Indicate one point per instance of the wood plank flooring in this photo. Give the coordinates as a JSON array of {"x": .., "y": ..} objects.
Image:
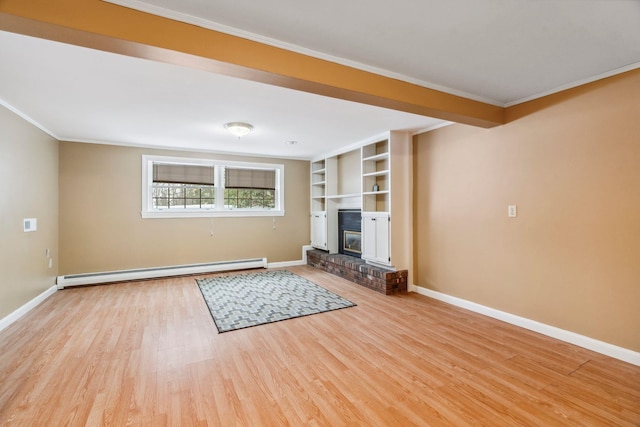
[{"x": 147, "y": 354}]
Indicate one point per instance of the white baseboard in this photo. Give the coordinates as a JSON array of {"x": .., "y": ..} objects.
[
  {"x": 17, "y": 314},
  {"x": 284, "y": 264},
  {"x": 601, "y": 347}
]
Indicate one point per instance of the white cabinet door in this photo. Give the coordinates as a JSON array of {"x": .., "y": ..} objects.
[
  {"x": 375, "y": 237},
  {"x": 319, "y": 230},
  {"x": 382, "y": 239},
  {"x": 368, "y": 237}
]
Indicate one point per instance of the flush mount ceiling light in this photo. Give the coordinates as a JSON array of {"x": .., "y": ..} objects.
[{"x": 239, "y": 129}]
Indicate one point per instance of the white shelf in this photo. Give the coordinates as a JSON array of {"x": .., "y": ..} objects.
[
  {"x": 318, "y": 197},
  {"x": 367, "y": 193},
  {"x": 319, "y": 171},
  {"x": 381, "y": 156},
  {"x": 343, "y": 196},
  {"x": 376, "y": 173},
  {"x": 318, "y": 183}
]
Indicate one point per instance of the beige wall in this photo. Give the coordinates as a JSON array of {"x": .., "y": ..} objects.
[
  {"x": 101, "y": 228},
  {"x": 29, "y": 189},
  {"x": 571, "y": 259}
]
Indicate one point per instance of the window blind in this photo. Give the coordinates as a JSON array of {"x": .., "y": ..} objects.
[
  {"x": 183, "y": 174},
  {"x": 263, "y": 179}
]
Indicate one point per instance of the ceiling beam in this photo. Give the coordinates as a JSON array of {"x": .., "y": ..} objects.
[{"x": 104, "y": 26}]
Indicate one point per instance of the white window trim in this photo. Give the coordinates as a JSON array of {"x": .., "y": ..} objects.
[{"x": 219, "y": 210}]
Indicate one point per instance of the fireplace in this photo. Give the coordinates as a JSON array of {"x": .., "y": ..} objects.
[{"x": 350, "y": 232}]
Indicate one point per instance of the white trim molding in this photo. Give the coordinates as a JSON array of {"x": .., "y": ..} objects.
[
  {"x": 17, "y": 314},
  {"x": 283, "y": 264},
  {"x": 40, "y": 126},
  {"x": 574, "y": 84},
  {"x": 430, "y": 128},
  {"x": 601, "y": 347}
]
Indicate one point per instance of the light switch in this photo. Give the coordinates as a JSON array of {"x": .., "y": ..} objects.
[
  {"x": 512, "y": 211},
  {"x": 30, "y": 224}
]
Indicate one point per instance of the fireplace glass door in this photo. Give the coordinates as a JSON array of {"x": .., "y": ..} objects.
[{"x": 352, "y": 242}]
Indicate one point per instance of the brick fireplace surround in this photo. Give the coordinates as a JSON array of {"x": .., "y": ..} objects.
[{"x": 358, "y": 271}]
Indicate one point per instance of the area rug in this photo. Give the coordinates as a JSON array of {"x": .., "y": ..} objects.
[{"x": 244, "y": 300}]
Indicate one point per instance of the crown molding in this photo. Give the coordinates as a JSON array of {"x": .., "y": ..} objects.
[
  {"x": 430, "y": 128},
  {"x": 29, "y": 119},
  {"x": 574, "y": 84}
]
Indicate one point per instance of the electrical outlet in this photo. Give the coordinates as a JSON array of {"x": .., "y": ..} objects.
[{"x": 512, "y": 211}]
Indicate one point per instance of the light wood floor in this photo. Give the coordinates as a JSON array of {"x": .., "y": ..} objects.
[{"x": 148, "y": 353}]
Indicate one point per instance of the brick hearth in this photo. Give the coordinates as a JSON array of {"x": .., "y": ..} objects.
[{"x": 358, "y": 271}]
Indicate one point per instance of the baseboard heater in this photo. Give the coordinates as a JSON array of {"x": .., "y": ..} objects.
[{"x": 149, "y": 273}]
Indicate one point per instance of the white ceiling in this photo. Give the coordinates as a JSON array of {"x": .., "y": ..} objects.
[{"x": 498, "y": 51}]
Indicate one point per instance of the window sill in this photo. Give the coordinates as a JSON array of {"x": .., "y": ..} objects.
[{"x": 210, "y": 214}]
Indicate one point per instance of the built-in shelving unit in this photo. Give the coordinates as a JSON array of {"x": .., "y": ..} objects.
[
  {"x": 319, "y": 204},
  {"x": 376, "y": 202},
  {"x": 376, "y": 177},
  {"x": 328, "y": 195},
  {"x": 318, "y": 186}
]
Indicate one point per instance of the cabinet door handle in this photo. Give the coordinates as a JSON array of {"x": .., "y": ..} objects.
[{"x": 373, "y": 219}]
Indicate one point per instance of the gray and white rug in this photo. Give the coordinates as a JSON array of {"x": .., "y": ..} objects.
[{"x": 244, "y": 300}]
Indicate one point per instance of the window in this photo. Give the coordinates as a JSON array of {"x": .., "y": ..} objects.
[
  {"x": 249, "y": 188},
  {"x": 183, "y": 187}
]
